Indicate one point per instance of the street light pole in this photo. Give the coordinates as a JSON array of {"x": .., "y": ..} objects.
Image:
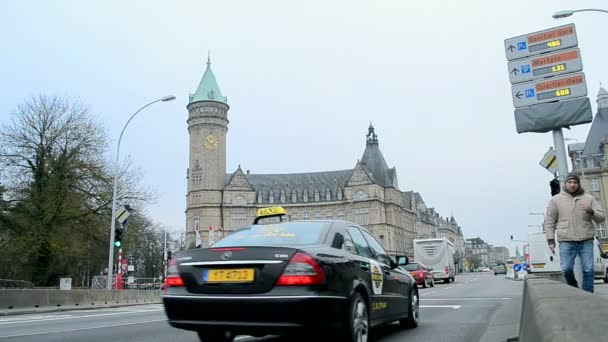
[
  {"x": 567, "y": 13},
  {"x": 115, "y": 187}
]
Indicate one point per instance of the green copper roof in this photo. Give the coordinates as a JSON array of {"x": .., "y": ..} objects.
[{"x": 208, "y": 90}]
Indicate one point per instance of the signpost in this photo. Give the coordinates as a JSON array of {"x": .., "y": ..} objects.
[
  {"x": 548, "y": 90},
  {"x": 549, "y": 161},
  {"x": 551, "y": 64},
  {"x": 535, "y": 43},
  {"x": 548, "y": 87}
]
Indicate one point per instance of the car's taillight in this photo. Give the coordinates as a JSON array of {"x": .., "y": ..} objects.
[
  {"x": 447, "y": 270},
  {"x": 302, "y": 270},
  {"x": 174, "y": 281},
  {"x": 173, "y": 278}
]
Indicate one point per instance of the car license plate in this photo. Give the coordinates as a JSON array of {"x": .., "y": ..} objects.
[{"x": 240, "y": 275}]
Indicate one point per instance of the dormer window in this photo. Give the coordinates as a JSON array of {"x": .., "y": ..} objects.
[
  {"x": 294, "y": 196},
  {"x": 328, "y": 195},
  {"x": 271, "y": 197},
  {"x": 305, "y": 195},
  {"x": 282, "y": 196},
  {"x": 260, "y": 197},
  {"x": 317, "y": 197},
  {"x": 340, "y": 194}
]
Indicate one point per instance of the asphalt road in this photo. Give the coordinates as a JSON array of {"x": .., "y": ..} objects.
[{"x": 477, "y": 307}]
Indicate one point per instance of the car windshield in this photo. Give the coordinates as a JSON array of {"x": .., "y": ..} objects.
[
  {"x": 412, "y": 267},
  {"x": 280, "y": 234}
]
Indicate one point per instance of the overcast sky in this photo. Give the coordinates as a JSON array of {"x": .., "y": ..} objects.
[{"x": 303, "y": 82}]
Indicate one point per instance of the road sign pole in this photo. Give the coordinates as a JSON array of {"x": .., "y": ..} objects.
[{"x": 560, "y": 152}]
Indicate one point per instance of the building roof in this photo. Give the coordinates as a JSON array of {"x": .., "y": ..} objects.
[
  {"x": 597, "y": 132},
  {"x": 208, "y": 89},
  {"x": 373, "y": 161}
]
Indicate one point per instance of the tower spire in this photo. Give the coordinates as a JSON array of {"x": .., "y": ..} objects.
[{"x": 208, "y": 58}]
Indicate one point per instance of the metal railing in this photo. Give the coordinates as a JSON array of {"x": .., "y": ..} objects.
[{"x": 133, "y": 283}]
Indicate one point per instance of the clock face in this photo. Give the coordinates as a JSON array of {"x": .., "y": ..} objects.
[{"x": 210, "y": 142}]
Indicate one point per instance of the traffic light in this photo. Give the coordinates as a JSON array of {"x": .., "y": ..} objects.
[
  {"x": 554, "y": 187},
  {"x": 118, "y": 237}
]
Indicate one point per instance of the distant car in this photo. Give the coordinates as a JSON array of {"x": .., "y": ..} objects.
[
  {"x": 422, "y": 273},
  {"x": 326, "y": 277},
  {"x": 500, "y": 269},
  {"x": 484, "y": 269}
]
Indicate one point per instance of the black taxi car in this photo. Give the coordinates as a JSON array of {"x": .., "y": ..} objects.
[{"x": 329, "y": 277}]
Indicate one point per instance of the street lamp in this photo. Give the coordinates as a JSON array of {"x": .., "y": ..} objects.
[
  {"x": 113, "y": 208},
  {"x": 361, "y": 196},
  {"x": 567, "y": 13}
]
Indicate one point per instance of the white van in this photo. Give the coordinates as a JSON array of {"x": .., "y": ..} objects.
[
  {"x": 438, "y": 254},
  {"x": 542, "y": 260}
]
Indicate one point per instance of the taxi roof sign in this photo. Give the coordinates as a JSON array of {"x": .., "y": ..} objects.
[{"x": 271, "y": 211}]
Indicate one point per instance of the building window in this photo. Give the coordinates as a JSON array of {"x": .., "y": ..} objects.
[
  {"x": 590, "y": 162},
  {"x": 362, "y": 216},
  {"x": 317, "y": 197},
  {"x": 271, "y": 197},
  {"x": 340, "y": 215},
  {"x": 294, "y": 197},
  {"x": 601, "y": 231},
  {"x": 282, "y": 196},
  {"x": 239, "y": 221},
  {"x": 329, "y": 215},
  {"x": 260, "y": 197},
  {"x": 318, "y": 214},
  {"x": 340, "y": 194},
  {"x": 595, "y": 185},
  {"x": 305, "y": 195},
  {"x": 328, "y": 195},
  {"x": 306, "y": 215},
  {"x": 197, "y": 223}
]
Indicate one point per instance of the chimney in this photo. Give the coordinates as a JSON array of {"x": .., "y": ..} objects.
[{"x": 247, "y": 171}]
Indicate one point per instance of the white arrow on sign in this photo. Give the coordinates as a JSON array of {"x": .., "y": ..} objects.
[
  {"x": 548, "y": 90},
  {"x": 551, "y": 64},
  {"x": 557, "y": 38}
]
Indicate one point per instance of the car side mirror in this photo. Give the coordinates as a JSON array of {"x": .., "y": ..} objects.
[
  {"x": 394, "y": 264},
  {"x": 604, "y": 255},
  {"x": 402, "y": 260}
]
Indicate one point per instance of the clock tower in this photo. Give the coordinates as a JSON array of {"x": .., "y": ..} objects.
[{"x": 207, "y": 127}]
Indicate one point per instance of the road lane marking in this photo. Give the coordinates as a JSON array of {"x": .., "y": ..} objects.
[
  {"x": 465, "y": 298},
  {"x": 427, "y": 293},
  {"x": 442, "y": 306},
  {"x": 33, "y": 320},
  {"x": 79, "y": 329}
]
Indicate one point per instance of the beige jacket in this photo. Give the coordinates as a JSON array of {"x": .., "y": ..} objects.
[{"x": 568, "y": 220}]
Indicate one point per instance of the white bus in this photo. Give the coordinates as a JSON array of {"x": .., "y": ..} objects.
[{"x": 438, "y": 254}]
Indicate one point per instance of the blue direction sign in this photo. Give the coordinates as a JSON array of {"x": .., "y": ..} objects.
[{"x": 517, "y": 267}]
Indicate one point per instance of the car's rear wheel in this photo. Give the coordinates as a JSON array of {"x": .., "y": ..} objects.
[
  {"x": 413, "y": 311},
  {"x": 433, "y": 282},
  {"x": 205, "y": 336},
  {"x": 606, "y": 277},
  {"x": 446, "y": 280},
  {"x": 358, "y": 321},
  {"x": 425, "y": 284}
]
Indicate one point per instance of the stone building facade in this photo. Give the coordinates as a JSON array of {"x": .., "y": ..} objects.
[
  {"x": 367, "y": 194},
  {"x": 590, "y": 160}
]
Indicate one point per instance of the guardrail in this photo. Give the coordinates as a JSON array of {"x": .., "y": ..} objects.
[
  {"x": 555, "y": 312},
  {"x": 38, "y": 300},
  {"x": 15, "y": 284}
]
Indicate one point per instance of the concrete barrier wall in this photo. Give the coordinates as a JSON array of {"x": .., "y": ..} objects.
[
  {"x": 23, "y": 299},
  {"x": 556, "y": 312}
]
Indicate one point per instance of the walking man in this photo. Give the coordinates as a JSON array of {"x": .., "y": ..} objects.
[{"x": 569, "y": 216}]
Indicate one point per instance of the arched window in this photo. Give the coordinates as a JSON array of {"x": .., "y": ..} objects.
[
  {"x": 306, "y": 215},
  {"x": 328, "y": 195},
  {"x": 282, "y": 196},
  {"x": 305, "y": 195},
  {"x": 318, "y": 214},
  {"x": 260, "y": 197},
  {"x": 339, "y": 194},
  {"x": 271, "y": 197},
  {"x": 317, "y": 197},
  {"x": 294, "y": 196}
]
